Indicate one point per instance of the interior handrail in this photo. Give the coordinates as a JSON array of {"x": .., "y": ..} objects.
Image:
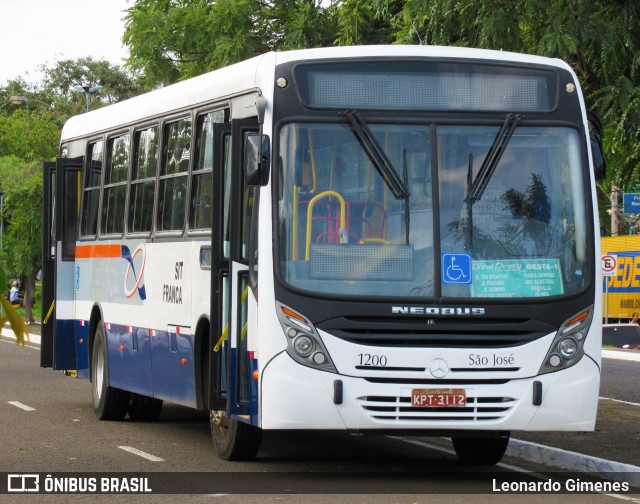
[{"x": 343, "y": 217}]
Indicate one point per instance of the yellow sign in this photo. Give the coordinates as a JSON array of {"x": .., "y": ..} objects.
[{"x": 622, "y": 289}]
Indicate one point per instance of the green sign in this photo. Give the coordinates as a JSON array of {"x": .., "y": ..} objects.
[{"x": 516, "y": 278}]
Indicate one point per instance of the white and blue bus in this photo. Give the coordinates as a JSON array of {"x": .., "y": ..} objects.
[{"x": 388, "y": 239}]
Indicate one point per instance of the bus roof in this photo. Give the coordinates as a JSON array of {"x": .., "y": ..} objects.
[{"x": 257, "y": 74}]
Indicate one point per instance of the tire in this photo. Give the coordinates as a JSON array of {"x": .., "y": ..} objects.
[
  {"x": 109, "y": 403},
  {"x": 234, "y": 440},
  {"x": 144, "y": 408},
  {"x": 481, "y": 451}
]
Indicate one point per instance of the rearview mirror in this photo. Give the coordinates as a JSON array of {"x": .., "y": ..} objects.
[
  {"x": 256, "y": 159},
  {"x": 597, "y": 150}
]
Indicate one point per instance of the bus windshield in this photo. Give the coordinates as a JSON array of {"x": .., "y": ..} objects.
[{"x": 343, "y": 231}]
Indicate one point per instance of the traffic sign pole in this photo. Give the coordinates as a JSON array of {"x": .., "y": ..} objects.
[
  {"x": 609, "y": 263},
  {"x": 606, "y": 300}
]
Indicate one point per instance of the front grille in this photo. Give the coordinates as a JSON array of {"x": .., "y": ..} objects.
[
  {"x": 438, "y": 382},
  {"x": 424, "y": 332},
  {"x": 478, "y": 409}
]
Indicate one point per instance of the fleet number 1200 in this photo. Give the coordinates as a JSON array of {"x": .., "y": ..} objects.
[{"x": 372, "y": 360}]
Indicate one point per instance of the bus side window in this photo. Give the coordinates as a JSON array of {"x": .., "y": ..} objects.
[
  {"x": 115, "y": 186},
  {"x": 173, "y": 175},
  {"x": 201, "y": 213},
  {"x": 143, "y": 180},
  {"x": 91, "y": 191}
]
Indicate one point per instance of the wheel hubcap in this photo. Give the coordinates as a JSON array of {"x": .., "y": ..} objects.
[
  {"x": 99, "y": 372},
  {"x": 219, "y": 423}
]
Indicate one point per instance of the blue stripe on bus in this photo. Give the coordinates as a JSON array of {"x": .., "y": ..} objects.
[
  {"x": 64, "y": 351},
  {"x": 253, "y": 393},
  {"x": 82, "y": 348},
  {"x": 150, "y": 365},
  {"x": 159, "y": 365}
]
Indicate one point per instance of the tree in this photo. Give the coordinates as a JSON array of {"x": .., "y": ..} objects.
[
  {"x": 21, "y": 185},
  {"x": 29, "y": 135},
  {"x": 56, "y": 95},
  {"x": 365, "y": 22},
  {"x": 58, "y": 85},
  {"x": 170, "y": 40}
]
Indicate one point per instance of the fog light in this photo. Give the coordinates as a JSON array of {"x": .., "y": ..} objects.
[
  {"x": 555, "y": 360},
  {"x": 319, "y": 358},
  {"x": 303, "y": 345},
  {"x": 568, "y": 348}
]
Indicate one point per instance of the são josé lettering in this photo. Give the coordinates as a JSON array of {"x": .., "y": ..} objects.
[{"x": 493, "y": 360}]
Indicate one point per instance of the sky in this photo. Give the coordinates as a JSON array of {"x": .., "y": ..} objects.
[{"x": 36, "y": 32}]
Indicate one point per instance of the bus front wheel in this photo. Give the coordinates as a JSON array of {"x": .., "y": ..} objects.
[
  {"x": 234, "y": 440},
  {"x": 481, "y": 451},
  {"x": 109, "y": 403}
]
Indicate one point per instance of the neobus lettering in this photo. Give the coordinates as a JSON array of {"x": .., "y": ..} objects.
[{"x": 435, "y": 310}]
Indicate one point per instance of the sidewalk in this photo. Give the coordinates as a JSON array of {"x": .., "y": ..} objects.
[
  {"x": 34, "y": 334},
  {"x": 612, "y": 448}
]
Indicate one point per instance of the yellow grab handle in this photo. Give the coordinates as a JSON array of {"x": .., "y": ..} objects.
[
  {"x": 225, "y": 333},
  {"x": 46, "y": 319}
]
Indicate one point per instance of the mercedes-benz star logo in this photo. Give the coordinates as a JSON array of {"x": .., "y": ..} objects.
[{"x": 439, "y": 368}]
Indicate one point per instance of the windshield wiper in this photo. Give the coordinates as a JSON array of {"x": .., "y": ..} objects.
[
  {"x": 376, "y": 155},
  {"x": 492, "y": 159}
]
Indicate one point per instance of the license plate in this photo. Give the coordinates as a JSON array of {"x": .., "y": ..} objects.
[{"x": 438, "y": 398}]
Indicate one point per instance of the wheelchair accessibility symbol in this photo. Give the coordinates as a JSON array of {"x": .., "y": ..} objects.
[{"x": 456, "y": 268}]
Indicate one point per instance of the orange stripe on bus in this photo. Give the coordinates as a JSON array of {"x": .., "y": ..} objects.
[{"x": 98, "y": 251}]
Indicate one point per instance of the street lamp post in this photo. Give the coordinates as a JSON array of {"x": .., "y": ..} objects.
[
  {"x": 88, "y": 91},
  {"x": 23, "y": 100}
]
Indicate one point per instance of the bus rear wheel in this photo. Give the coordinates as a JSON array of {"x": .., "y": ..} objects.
[
  {"x": 109, "y": 403},
  {"x": 481, "y": 451},
  {"x": 234, "y": 440}
]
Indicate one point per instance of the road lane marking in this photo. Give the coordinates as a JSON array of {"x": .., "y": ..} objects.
[
  {"x": 21, "y": 406},
  {"x": 140, "y": 453},
  {"x": 623, "y": 497},
  {"x": 618, "y": 400}
]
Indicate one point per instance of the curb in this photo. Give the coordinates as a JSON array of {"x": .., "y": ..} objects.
[
  {"x": 7, "y": 334},
  {"x": 563, "y": 459}
]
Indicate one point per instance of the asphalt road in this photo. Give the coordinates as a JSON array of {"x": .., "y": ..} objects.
[
  {"x": 620, "y": 380},
  {"x": 48, "y": 425}
]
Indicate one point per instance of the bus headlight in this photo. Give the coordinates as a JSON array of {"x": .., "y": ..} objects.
[
  {"x": 567, "y": 347},
  {"x": 304, "y": 344}
]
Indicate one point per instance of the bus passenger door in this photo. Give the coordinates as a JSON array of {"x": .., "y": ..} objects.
[
  {"x": 220, "y": 252},
  {"x": 61, "y": 208},
  {"x": 233, "y": 390}
]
